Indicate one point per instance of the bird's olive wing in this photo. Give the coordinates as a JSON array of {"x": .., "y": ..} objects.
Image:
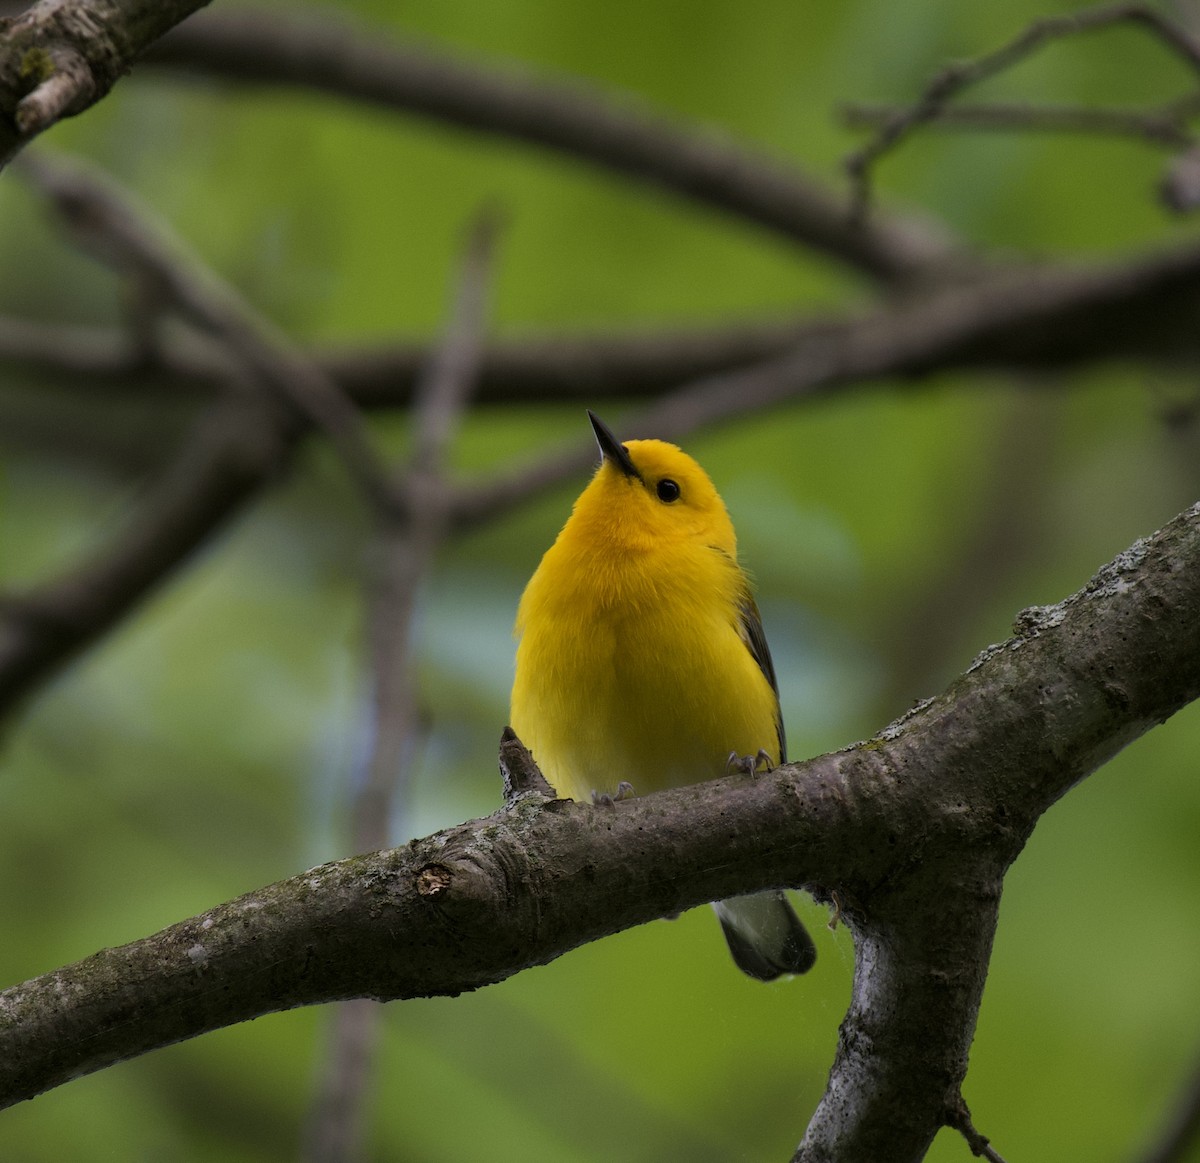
[{"x": 751, "y": 631}]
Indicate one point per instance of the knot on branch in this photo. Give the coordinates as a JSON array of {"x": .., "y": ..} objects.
[
  {"x": 481, "y": 875},
  {"x": 61, "y": 83},
  {"x": 433, "y": 880}
]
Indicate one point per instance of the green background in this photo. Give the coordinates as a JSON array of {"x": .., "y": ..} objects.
[{"x": 209, "y": 745}]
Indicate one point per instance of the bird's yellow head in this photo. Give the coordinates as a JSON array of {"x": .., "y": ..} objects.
[{"x": 649, "y": 494}]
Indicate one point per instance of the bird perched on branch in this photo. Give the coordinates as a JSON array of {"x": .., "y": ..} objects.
[{"x": 642, "y": 660}]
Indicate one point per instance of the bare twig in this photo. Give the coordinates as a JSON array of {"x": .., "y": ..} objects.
[
  {"x": 235, "y": 452},
  {"x": 403, "y": 555},
  {"x": 68, "y": 87},
  {"x": 533, "y": 369},
  {"x": 107, "y": 222},
  {"x": 558, "y": 368},
  {"x": 110, "y": 360},
  {"x": 519, "y": 771},
  {"x": 337, "y": 1118},
  {"x": 411, "y": 537},
  {"x": 958, "y": 1117},
  {"x": 614, "y": 133},
  {"x": 957, "y": 77},
  {"x": 1165, "y": 126},
  {"x": 453, "y": 372}
]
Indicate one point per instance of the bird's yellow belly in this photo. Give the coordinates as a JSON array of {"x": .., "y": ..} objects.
[{"x": 645, "y": 697}]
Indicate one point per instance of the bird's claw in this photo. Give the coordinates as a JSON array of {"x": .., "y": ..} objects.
[
  {"x": 749, "y": 764},
  {"x": 624, "y": 791}
]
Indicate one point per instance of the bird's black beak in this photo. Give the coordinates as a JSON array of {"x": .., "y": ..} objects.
[{"x": 611, "y": 448}]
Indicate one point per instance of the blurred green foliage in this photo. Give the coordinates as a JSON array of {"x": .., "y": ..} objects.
[{"x": 209, "y": 746}]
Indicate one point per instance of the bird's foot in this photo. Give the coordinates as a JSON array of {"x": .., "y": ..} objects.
[
  {"x": 624, "y": 791},
  {"x": 748, "y": 764}
]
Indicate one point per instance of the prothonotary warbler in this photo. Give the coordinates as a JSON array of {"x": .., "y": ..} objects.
[{"x": 642, "y": 659}]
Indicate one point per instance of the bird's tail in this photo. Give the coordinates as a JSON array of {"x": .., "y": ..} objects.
[{"x": 765, "y": 936}]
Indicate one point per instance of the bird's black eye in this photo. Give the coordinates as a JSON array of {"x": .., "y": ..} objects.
[{"x": 667, "y": 490}]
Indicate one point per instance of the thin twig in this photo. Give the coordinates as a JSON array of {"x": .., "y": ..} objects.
[
  {"x": 68, "y": 88},
  {"x": 958, "y": 1118},
  {"x": 527, "y": 370},
  {"x": 961, "y": 75},
  {"x": 236, "y": 450},
  {"x": 336, "y": 1123},
  {"x": 452, "y": 373},
  {"x": 560, "y": 368},
  {"x": 1163, "y": 126},
  {"x": 412, "y": 535},
  {"x": 109, "y": 360}
]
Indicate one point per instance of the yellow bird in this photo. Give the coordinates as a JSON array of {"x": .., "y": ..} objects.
[{"x": 642, "y": 659}]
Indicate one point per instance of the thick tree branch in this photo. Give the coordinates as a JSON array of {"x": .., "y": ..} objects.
[
  {"x": 913, "y": 830},
  {"x": 60, "y": 57},
  {"x": 617, "y": 134}
]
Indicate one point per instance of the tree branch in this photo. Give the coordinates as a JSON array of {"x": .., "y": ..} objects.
[
  {"x": 617, "y": 134},
  {"x": 60, "y": 57},
  {"x": 1005, "y": 320},
  {"x": 1140, "y": 307},
  {"x": 946, "y": 796}
]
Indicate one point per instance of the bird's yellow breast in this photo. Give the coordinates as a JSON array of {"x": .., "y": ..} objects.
[{"x": 631, "y": 664}]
